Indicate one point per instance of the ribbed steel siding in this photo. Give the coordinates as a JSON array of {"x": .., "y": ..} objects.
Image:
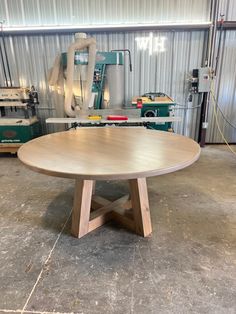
[
  {"x": 225, "y": 91},
  {"x": 77, "y": 12},
  {"x": 228, "y": 8},
  {"x": 32, "y": 56}
]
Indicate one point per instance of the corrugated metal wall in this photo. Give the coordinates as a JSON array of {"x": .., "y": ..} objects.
[
  {"x": 225, "y": 92},
  {"x": 228, "y": 8},
  {"x": 77, "y": 12},
  {"x": 225, "y": 85},
  {"x": 153, "y": 70},
  {"x": 167, "y": 71}
]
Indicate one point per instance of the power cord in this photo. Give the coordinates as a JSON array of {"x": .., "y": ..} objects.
[
  {"x": 215, "y": 105},
  {"x": 222, "y": 113}
]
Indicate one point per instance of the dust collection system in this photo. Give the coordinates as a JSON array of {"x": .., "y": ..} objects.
[
  {"x": 18, "y": 120},
  {"x": 93, "y": 86}
]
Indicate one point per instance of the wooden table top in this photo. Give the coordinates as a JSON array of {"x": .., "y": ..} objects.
[{"x": 109, "y": 153}]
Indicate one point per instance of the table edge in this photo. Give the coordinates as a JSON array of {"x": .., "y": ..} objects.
[{"x": 124, "y": 176}]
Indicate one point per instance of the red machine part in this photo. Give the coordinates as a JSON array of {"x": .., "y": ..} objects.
[
  {"x": 115, "y": 117},
  {"x": 139, "y": 103}
]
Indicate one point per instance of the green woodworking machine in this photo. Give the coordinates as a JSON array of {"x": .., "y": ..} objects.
[
  {"x": 18, "y": 121},
  {"x": 93, "y": 83},
  {"x": 108, "y": 88},
  {"x": 155, "y": 105}
]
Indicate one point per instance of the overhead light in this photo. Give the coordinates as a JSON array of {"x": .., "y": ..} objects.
[{"x": 101, "y": 27}]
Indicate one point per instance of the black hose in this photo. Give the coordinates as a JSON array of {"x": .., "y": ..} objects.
[
  {"x": 3, "y": 65},
  {"x": 6, "y": 56}
]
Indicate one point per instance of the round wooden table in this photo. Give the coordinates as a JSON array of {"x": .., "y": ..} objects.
[{"x": 89, "y": 154}]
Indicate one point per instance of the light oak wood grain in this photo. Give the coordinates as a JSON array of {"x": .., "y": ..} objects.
[
  {"x": 81, "y": 207},
  {"x": 9, "y": 148},
  {"x": 104, "y": 214},
  {"x": 140, "y": 206},
  {"x": 109, "y": 153},
  {"x": 98, "y": 202}
]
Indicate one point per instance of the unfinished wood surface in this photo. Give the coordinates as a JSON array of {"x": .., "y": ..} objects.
[
  {"x": 9, "y": 148},
  {"x": 94, "y": 187},
  {"x": 98, "y": 202},
  {"x": 109, "y": 153},
  {"x": 99, "y": 220},
  {"x": 81, "y": 207},
  {"x": 140, "y": 206},
  {"x": 104, "y": 214},
  {"x": 124, "y": 221}
]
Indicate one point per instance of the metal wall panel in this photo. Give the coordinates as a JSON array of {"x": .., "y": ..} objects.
[
  {"x": 225, "y": 92},
  {"x": 156, "y": 67},
  {"x": 153, "y": 70},
  {"x": 79, "y": 12},
  {"x": 228, "y": 8}
]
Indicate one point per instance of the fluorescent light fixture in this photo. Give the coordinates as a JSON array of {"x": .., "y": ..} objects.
[{"x": 101, "y": 27}]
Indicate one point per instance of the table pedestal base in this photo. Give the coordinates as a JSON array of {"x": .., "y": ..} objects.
[{"x": 92, "y": 211}]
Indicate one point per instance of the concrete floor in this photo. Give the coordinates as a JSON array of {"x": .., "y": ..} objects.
[{"x": 187, "y": 266}]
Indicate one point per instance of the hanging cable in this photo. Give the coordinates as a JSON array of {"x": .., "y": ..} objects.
[
  {"x": 222, "y": 113},
  {"x": 6, "y": 56},
  {"x": 212, "y": 94},
  {"x": 3, "y": 65}
]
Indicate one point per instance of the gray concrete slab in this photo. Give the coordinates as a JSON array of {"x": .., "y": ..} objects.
[{"x": 187, "y": 266}]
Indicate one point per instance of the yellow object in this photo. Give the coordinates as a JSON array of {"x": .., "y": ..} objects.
[
  {"x": 147, "y": 100},
  {"x": 94, "y": 117}
]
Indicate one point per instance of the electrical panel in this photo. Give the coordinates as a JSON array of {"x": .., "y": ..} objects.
[
  {"x": 204, "y": 80},
  {"x": 194, "y": 81},
  {"x": 201, "y": 80}
]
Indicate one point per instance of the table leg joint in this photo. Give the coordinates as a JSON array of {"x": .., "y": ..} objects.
[{"x": 92, "y": 211}]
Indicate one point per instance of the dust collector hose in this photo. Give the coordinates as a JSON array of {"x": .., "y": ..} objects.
[{"x": 81, "y": 44}]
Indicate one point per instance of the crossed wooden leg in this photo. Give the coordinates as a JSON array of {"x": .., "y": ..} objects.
[{"x": 91, "y": 211}]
